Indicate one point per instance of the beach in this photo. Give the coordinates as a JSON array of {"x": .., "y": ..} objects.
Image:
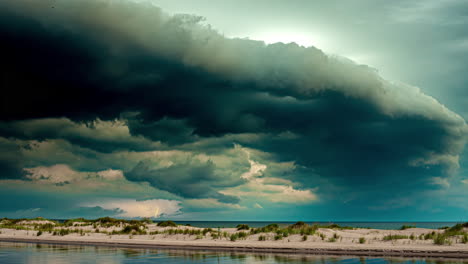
[{"x": 301, "y": 239}]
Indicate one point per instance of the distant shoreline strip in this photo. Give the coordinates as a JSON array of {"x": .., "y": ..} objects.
[{"x": 250, "y": 249}]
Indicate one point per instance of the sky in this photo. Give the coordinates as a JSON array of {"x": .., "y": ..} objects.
[{"x": 234, "y": 110}]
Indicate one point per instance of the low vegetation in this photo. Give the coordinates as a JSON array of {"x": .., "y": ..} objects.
[
  {"x": 167, "y": 224},
  {"x": 404, "y": 227},
  {"x": 242, "y": 227},
  {"x": 394, "y": 237},
  {"x": 112, "y": 226}
]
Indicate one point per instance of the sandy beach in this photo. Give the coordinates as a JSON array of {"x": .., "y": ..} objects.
[{"x": 415, "y": 242}]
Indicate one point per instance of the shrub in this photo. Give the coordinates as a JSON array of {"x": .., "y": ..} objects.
[
  {"x": 272, "y": 226},
  {"x": 455, "y": 230},
  {"x": 167, "y": 223},
  {"x": 465, "y": 239},
  {"x": 404, "y": 227},
  {"x": 64, "y": 232},
  {"x": 242, "y": 227},
  {"x": 207, "y": 230},
  {"x": 39, "y": 233},
  {"x": 335, "y": 226},
  {"x": 233, "y": 237},
  {"x": 107, "y": 220},
  {"x": 441, "y": 239},
  {"x": 298, "y": 225},
  {"x": 242, "y": 235},
  {"x": 304, "y": 238},
  {"x": 278, "y": 237},
  {"x": 322, "y": 236},
  {"x": 132, "y": 229},
  {"x": 429, "y": 235},
  {"x": 362, "y": 240},
  {"x": 261, "y": 238}
]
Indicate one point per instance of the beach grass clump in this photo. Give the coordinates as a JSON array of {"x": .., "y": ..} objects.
[
  {"x": 67, "y": 231},
  {"x": 404, "y": 227},
  {"x": 456, "y": 230},
  {"x": 262, "y": 238},
  {"x": 206, "y": 231},
  {"x": 242, "y": 227},
  {"x": 304, "y": 238},
  {"x": 321, "y": 235},
  {"x": 266, "y": 229},
  {"x": 278, "y": 237},
  {"x": 429, "y": 235},
  {"x": 332, "y": 239},
  {"x": 298, "y": 225},
  {"x": 464, "y": 239},
  {"x": 134, "y": 229},
  {"x": 335, "y": 226},
  {"x": 39, "y": 233},
  {"x": 108, "y": 221},
  {"x": 234, "y": 237},
  {"x": 309, "y": 230},
  {"x": 168, "y": 223},
  {"x": 362, "y": 240},
  {"x": 442, "y": 239},
  {"x": 215, "y": 235},
  {"x": 242, "y": 235},
  {"x": 394, "y": 237}
]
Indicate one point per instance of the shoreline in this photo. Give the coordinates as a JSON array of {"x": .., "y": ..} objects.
[{"x": 249, "y": 248}]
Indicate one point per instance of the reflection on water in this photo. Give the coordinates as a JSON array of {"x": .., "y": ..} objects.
[{"x": 58, "y": 254}]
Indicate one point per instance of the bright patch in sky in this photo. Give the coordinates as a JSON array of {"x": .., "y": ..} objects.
[{"x": 302, "y": 39}]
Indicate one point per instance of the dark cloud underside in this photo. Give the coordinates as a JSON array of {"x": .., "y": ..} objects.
[{"x": 175, "y": 83}]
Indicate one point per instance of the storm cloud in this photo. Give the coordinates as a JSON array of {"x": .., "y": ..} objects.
[{"x": 120, "y": 79}]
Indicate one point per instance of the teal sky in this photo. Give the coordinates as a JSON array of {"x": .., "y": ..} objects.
[{"x": 234, "y": 110}]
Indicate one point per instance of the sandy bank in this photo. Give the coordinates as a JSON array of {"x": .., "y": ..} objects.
[
  {"x": 293, "y": 244},
  {"x": 298, "y": 238}
]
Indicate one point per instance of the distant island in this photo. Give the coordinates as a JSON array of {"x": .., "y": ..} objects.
[{"x": 295, "y": 238}]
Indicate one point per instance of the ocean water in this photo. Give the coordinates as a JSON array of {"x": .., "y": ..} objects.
[
  {"x": 374, "y": 225},
  {"x": 31, "y": 253}
]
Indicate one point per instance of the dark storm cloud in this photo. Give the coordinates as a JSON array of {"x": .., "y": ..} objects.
[
  {"x": 103, "y": 136},
  {"x": 176, "y": 81},
  {"x": 192, "y": 180}
]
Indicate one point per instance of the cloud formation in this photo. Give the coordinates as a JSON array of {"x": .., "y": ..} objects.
[
  {"x": 124, "y": 91},
  {"x": 148, "y": 208}
]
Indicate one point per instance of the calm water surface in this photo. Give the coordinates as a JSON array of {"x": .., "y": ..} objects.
[{"x": 12, "y": 253}]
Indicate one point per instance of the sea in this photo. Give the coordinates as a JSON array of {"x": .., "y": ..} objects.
[{"x": 32, "y": 253}]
